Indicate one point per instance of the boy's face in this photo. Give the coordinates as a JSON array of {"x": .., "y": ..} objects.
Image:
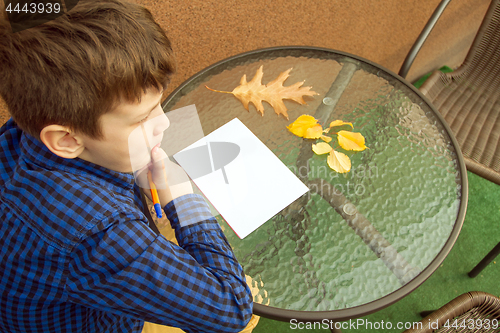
[{"x": 113, "y": 150}]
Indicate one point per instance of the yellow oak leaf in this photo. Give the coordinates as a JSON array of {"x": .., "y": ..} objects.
[
  {"x": 351, "y": 141},
  {"x": 273, "y": 93},
  {"x": 339, "y": 162},
  {"x": 321, "y": 148},
  {"x": 307, "y": 127}
]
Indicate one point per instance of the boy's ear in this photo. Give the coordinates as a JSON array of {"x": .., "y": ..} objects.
[{"x": 62, "y": 141}]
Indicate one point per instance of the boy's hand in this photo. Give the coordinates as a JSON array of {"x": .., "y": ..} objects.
[{"x": 170, "y": 179}]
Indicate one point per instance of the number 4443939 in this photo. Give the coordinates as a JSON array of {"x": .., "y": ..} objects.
[
  {"x": 34, "y": 8},
  {"x": 472, "y": 324}
]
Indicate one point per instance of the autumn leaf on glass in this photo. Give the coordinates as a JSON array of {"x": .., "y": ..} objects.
[
  {"x": 273, "y": 93},
  {"x": 351, "y": 141},
  {"x": 308, "y": 127}
]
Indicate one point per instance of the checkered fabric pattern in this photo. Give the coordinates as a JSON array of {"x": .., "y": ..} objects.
[{"x": 77, "y": 254}]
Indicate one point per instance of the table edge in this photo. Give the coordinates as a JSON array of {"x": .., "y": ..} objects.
[{"x": 381, "y": 303}]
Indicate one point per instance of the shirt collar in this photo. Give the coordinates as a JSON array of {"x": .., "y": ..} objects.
[{"x": 35, "y": 153}]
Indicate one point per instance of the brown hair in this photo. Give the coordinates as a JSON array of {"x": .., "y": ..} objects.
[{"x": 71, "y": 70}]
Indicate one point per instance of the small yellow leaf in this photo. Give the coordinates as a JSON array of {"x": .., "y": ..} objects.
[
  {"x": 321, "y": 148},
  {"x": 339, "y": 162},
  {"x": 351, "y": 141},
  {"x": 307, "y": 127},
  {"x": 314, "y": 132},
  {"x": 339, "y": 123},
  {"x": 326, "y": 138}
]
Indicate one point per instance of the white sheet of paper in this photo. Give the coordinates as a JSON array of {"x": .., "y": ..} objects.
[{"x": 247, "y": 186}]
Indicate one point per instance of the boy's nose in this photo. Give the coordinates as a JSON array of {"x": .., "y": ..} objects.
[{"x": 161, "y": 124}]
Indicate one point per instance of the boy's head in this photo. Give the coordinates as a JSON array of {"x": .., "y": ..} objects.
[{"x": 73, "y": 69}]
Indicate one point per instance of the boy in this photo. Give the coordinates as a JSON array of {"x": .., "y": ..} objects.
[{"x": 77, "y": 253}]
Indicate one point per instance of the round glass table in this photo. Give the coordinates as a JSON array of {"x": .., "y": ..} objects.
[{"x": 356, "y": 242}]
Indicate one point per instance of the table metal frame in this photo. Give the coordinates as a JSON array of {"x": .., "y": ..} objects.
[{"x": 374, "y": 306}]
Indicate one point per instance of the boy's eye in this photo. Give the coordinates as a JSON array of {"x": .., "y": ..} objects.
[{"x": 145, "y": 118}]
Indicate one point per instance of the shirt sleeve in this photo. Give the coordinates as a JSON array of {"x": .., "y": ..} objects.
[{"x": 197, "y": 286}]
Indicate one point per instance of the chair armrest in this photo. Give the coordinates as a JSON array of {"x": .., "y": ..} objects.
[
  {"x": 485, "y": 305},
  {"x": 412, "y": 54}
]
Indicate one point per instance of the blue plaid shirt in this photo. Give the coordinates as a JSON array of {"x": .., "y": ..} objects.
[{"x": 77, "y": 254}]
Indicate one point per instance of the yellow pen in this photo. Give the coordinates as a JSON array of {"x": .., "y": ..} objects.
[
  {"x": 154, "y": 195},
  {"x": 152, "y": 186}
]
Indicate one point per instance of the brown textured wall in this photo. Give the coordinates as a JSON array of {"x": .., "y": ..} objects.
[{"x": 206, "y": 31}]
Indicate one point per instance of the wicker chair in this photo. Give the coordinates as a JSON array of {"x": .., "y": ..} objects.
[
  {"x": 463, "y": 314},
  {"x": 469, "y": 100}
]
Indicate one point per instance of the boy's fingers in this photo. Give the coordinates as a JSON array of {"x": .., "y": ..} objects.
[
  {"x": 160, "y": 160},
  {"x": 166, "y": 169},
  {"x": 168, "y": 175},
  {"x": 141, "y": 178}
]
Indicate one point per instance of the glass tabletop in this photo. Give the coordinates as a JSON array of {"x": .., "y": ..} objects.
[{"x": 359, "y": 241}]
